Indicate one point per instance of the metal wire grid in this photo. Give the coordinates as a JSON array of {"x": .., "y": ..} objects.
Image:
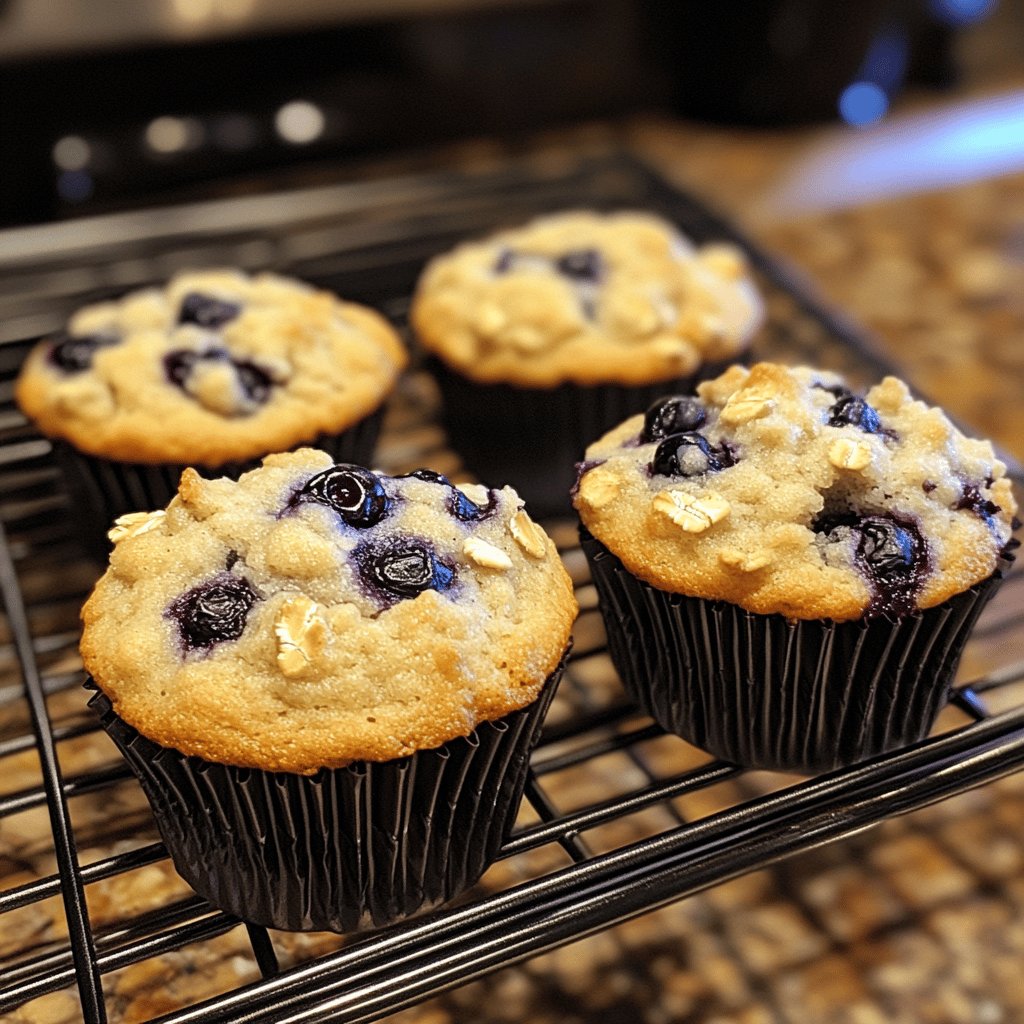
[{"x": 369, "y": 244}]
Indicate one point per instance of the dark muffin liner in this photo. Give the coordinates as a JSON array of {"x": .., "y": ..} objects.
[
  {"x": 532, "y": 438},
  {"x": 347, "y": 848},
  {"x": 764, "y": 691},
  {"x": 103, "y": 489}
]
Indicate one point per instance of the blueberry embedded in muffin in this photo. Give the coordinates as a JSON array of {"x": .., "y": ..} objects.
[
  {"x": 313, "y": 614},
  {"x": 216, "y": 367},
  {"x": 787, "y": 570},
  {"x": 782, "y": 490},
  {"x": 588, "y": 298},
  {"x": 359, "y": 659}
]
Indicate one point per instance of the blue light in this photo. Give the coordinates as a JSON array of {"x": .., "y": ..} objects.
[
  {"x": 74, "y": 186},
  {"x": 863, "y": 103},
  {"x": 960, "y": 12}
]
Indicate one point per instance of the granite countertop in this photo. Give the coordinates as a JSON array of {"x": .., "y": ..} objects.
[{"x": 920, "y": 920}]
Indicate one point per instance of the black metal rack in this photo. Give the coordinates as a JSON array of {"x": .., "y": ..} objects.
[{"x": 368, "y": 242}]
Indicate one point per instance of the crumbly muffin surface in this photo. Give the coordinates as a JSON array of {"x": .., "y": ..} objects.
[
  {"x": 309, "y": 615},
  {"x": 216, "y": 367},
  {"x": 588, "y": 298},
  {"x": 781, "y": 491}
]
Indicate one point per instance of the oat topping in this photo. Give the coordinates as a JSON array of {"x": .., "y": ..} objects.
[
  {"x": 690, "y": 513},
  {"x": 301, "y": 636},
  {"x": 527, "y": 534},
  {"x": 844, "y": 453},
  {"x": 133, "y": 523},
  {"x": 743, "y": 407},
  {"x": 486, "y": 555},
  {"x": 586, "y": 297}
]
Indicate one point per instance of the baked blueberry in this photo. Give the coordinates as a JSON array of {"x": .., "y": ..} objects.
[
  {"x": 459, "y": 505},
  {"x": 213, "y": 612},
  {"x": 430, "y": 476},
  {"x": 505, "y": 262},
  {"x": 179, "y": 364},
  {"x": 255, "y": 383},
  {"x": 73, "y": 354},
  {"x": 887, "y": 549},
  {"x": 675, "y": 414},
  {"x": 207, "y": 311},
  {"x": 355, "y": 493},
  {"x": 468, "y": 511},
  {"x": 889, "y": 552},
  {"x": 402, "y": 568},
  {"x": 688, "y": 454},
  {"x": 851, "y": 410},
  {"x": 972, "y": 499},
  {"x": 585, "y": 266}
]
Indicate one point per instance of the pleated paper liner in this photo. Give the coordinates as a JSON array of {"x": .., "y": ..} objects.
[
  {"x": 103, "y": 489},
  {"x": 347, "y": 848},
  {"x": 764, "y": 691},
  {"x": 532, "y": 438}
]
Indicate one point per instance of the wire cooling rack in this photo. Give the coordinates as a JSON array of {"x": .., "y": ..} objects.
[{"x": 608, "y": 830}]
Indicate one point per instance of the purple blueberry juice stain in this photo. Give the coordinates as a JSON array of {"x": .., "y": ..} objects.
[
  {"x": 207, "y": 311},
  {"x": 212, "y": 613},
  {"x": 74, "y": 353},
  {"x": 400, "y": 568},
  {"x": 355, "y": 493},
  {"x": 890, "y": 554}
]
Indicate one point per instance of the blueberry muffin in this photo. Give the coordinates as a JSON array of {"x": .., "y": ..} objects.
[
  {"x": 545, "y": 336},
  {"x": 360, "y": 660},
  {"x": 811, "y": 561},
  {"x": 215, "y": 370}
]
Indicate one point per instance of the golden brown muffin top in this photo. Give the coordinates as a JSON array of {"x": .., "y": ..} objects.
[
  {"x": 215, "y": 367},
  {"x": 780, "y": 490},
  {"x": 586, "y": 297},
  {"x": 310, "y": 615}
]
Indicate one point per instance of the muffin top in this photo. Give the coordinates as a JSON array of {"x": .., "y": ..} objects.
[
  {"x": 215, "y": 367},
  {"x": 586, "y": 297},
  {"x": 310, "y": 614},
  {"x": 780, "y": 490}
]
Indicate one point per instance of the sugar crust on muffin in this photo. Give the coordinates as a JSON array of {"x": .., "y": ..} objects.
[
  {"x": 217, "y": 366},
  {"x": 782, "y": 491},
  {"x": 254, "y": 624},
  {"x": 588, "y": 298}
]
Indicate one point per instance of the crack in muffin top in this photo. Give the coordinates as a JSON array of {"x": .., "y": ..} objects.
[{"x": 783, "y": 491}]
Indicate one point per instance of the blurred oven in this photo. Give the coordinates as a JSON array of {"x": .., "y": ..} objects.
[{"x": 109, "y": 104}]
